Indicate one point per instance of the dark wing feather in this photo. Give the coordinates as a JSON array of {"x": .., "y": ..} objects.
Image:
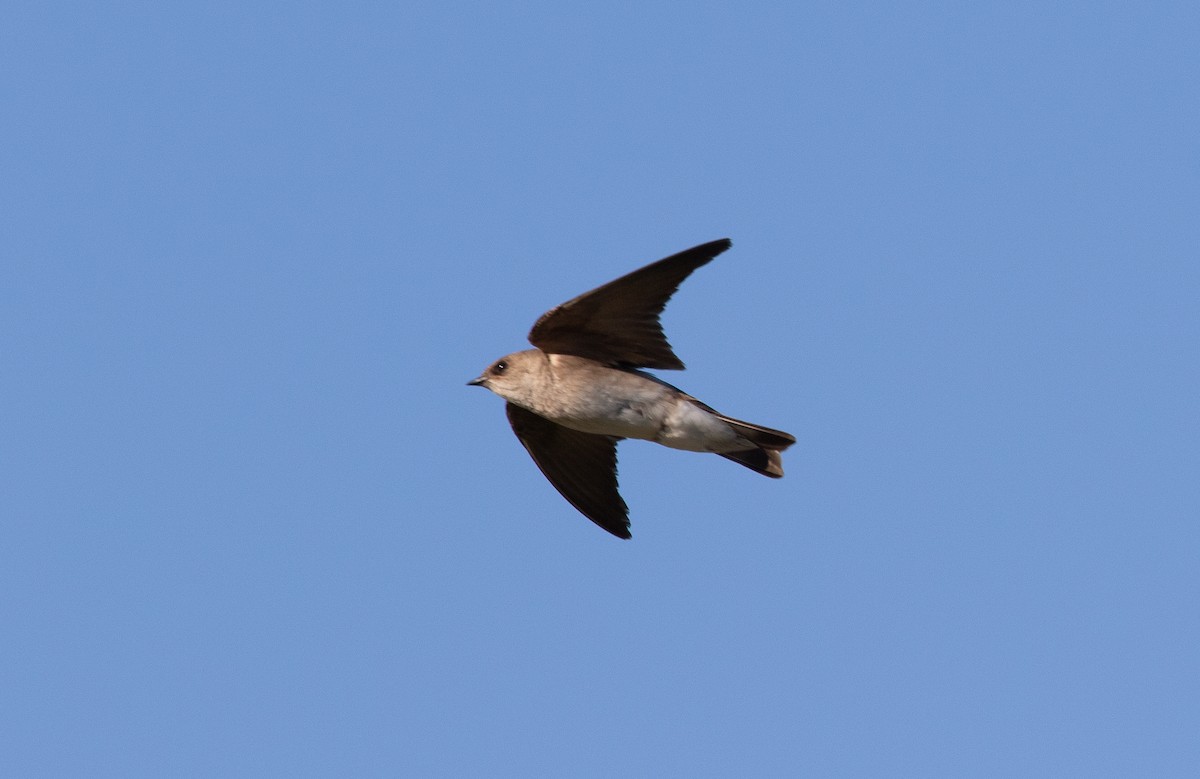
[
  {"x": 617, "y": 324},
  {"x": 581, "y": 466}
]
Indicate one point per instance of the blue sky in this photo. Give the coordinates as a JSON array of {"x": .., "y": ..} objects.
[{"x": 255, "y": 524}]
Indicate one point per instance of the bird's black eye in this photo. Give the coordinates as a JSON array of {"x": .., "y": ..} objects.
[{"x": 500, "y": 367}]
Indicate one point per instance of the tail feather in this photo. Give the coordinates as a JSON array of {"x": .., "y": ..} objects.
[
  {"x": 765, "y": 437},
  {"x": 764, "y": 461},
  {"x": 765, "y": 458}
]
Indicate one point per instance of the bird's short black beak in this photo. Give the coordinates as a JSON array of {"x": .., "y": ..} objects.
[{"x": 476, "y": 382}]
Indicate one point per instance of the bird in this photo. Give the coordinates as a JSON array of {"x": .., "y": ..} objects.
[{"x": 585, "y": 387}]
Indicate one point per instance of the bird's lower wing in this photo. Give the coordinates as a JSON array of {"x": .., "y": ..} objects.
[{"x": 581, "y": 466}]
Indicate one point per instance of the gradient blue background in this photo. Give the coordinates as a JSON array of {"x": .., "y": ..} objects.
[{"x": 253, "y": 522}]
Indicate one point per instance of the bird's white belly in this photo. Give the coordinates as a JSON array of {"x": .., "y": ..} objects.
[
  {"x": 660, "y": 417},
  {"x": 629, "y": 404},
  {"x": 692, "y": 428},
  {"x": 628, "y": 413}
]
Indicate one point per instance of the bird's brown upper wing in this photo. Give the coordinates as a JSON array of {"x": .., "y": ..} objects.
[
  {"x": 581, "y": 466},
  {"x": 617, "y": 324}
]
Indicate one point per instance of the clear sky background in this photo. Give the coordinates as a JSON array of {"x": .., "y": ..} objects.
[{"x": 254, "y": 523}]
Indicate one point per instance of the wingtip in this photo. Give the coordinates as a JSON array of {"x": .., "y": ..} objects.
[
  {"x": 615, "y": 529},
  {"x": 716, "y": 247}
]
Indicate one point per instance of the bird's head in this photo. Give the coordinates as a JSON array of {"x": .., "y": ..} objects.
[{"x": 513, "y": 376}]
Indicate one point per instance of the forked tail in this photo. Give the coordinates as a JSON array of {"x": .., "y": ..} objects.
[{"x": 764, "y": 458}]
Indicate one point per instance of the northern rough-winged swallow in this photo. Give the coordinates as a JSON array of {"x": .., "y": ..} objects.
[{"x": 580, "y": 391}]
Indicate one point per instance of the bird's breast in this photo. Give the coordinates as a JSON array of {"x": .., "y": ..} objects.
[{"x": 596, "y": 399}]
